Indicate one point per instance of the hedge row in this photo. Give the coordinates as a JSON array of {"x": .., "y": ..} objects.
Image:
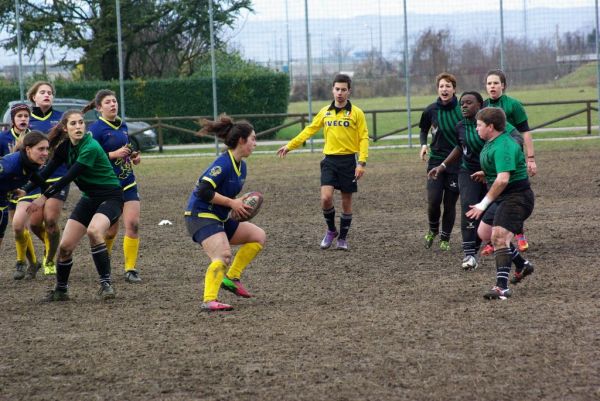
[{"x": 244, "y": 93}]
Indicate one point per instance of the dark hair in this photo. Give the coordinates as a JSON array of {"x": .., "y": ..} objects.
[
  {"x": 448, "y": 77},
  {"x": 227, "y": 130},
  {"x": 59, "y": 132},
  {"x": 500, "y": 74},
  {"x": 101, "y": 94},
  {"x": 475, "y": 94},
  {"x": 341, "y": 78},
  {"x": 34, "y": 88},
  {"x": 33, "y": 138},
  {"x": 494, "y": 116}
]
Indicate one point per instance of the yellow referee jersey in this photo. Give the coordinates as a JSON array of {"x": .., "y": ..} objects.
[{"x": 345, "y": 132}]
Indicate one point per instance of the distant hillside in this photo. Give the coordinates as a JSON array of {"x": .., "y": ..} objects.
[{"x": 586, "y": 75}]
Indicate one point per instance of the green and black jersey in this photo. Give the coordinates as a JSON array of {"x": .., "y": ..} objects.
[
  {"x": 471, "y": 143},
  {"x": 441, "y": 119},
  {"x": 503, "y": 154},
  {"x": 514, "y": 110},
  {"x": 98, "y": 174}
]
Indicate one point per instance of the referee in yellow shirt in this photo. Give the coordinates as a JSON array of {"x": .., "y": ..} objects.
[{"x": 346, "y": 134}]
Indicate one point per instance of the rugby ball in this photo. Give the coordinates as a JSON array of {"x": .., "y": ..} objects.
[{"x": 254, "y": 199}]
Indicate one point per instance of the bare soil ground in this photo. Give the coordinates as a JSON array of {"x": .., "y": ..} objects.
[{"x": 388, "y": 320}]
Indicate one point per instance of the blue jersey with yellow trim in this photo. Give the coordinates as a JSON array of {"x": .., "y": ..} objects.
[
  {"x": 227, "y": 179},
  {"x": 13, "y": 173},
  {"x": 7, "y": 141},
  {"x": 45, "y": 123},
  {"x": 112, "y": 136}
]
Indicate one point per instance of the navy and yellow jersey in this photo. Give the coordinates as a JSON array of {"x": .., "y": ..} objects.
[
  {"x": 344, "y": 130},
  {"x": 227, "y": 177},
  {"x": 44, "y": 122},
  {"x": 98, "y": 174},
  {"x": 112, "y": 135},
  {"x": 441, "y": 119},
  {"x": 503, "y": 154},
  {"x": 15, "y": 172},
  {"x": 471, "y": 144},
  {"x": 8, "y": 138},
  {"x": 514, "y": 110}
]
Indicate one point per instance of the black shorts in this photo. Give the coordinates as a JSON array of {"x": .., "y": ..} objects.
[
  {"x": 110, "y": 205},
  {"x": 200, "y": 228},
  {"x": 510, "y": 211},
  {"x": 339, "y": 172}
]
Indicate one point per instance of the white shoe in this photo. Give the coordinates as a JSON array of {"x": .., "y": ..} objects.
[{"x": 470, "y": 263}]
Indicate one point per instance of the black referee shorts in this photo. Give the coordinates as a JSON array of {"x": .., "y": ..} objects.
[{"x": 338, "y": 171}]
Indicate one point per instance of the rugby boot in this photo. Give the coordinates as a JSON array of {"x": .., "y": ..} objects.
[
  {"x": 133, "y": 277},
  {"x": 342, "y": 245},
  {"x": 470, "y": 263},
  {"x": 527, "y": 270},
  {"x": 235, "y": 286},
  {"x": 522, "y": 243},
  {"x": 429, "y": 239},
  {"x": 56, "y": 295},
  {"x": 487, "y": 250},
  {"x": 32, "y": 270},
  {"x": 328, "y": 239},
  {"x": 498, "y": 293},
  {"x": 106, "y": 291},
  {"x": 20, "y": 268},
  {"x": 215, "y": 306}
]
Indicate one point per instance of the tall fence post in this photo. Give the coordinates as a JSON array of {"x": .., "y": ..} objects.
[
  {"x": 375, "y": 126},
  {"x": 589, "y": 117},
  {"x": 160, "y": 136}
]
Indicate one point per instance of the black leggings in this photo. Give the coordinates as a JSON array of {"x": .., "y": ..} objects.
[
  {"x": 471, "y": 192},
  {"x": 443, "y": 190}
]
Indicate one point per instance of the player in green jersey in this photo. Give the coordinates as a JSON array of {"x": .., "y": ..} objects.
[
  {"x": 441, "y": 118},
  {"x": 100, "y": 206},
  {"x": 509, "y": 200},
  {"x": 495, "y": 85}
]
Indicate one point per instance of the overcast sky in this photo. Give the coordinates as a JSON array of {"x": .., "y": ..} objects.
[
  {"x": 274, "y": 9},
  {"x": 318, "y": 9}
]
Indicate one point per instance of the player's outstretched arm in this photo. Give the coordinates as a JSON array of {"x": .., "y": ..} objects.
[{"x": 282, "y": 151}]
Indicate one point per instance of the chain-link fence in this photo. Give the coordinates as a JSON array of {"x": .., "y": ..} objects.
[{"x": 534, "y": 41}]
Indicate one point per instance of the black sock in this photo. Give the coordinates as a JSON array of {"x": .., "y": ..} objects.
[
  {"x": 517, "y": 259},
  {"x": 345, "y": 222},
  {"x": 102, "y": 262},
  {"x": 469, "y": 248},
  {"x": 329, "y": 215},
  {"x": 503, "y": 258},
  {"x": 444, "y": 236},
  {"x": 63, "y": 270},
  {"x": 434, "y": 227}
]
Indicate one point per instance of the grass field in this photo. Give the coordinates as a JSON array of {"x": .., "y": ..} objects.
[{"x": 387, "y": 122}]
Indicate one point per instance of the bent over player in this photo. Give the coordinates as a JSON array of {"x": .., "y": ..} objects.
[{"x": 346, "y": 134}]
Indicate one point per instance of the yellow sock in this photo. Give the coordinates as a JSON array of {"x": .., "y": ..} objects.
[
  {"x": 110, "y": 241},
  {"x": 130, "y": 250},
  {"x": 47, "y": 245},
  {"x": 30, "y": 250},
  {"x": 21, "y": 244},
  {"x": 212, "y": 280},
  {"x": 243, "y": 257}
]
